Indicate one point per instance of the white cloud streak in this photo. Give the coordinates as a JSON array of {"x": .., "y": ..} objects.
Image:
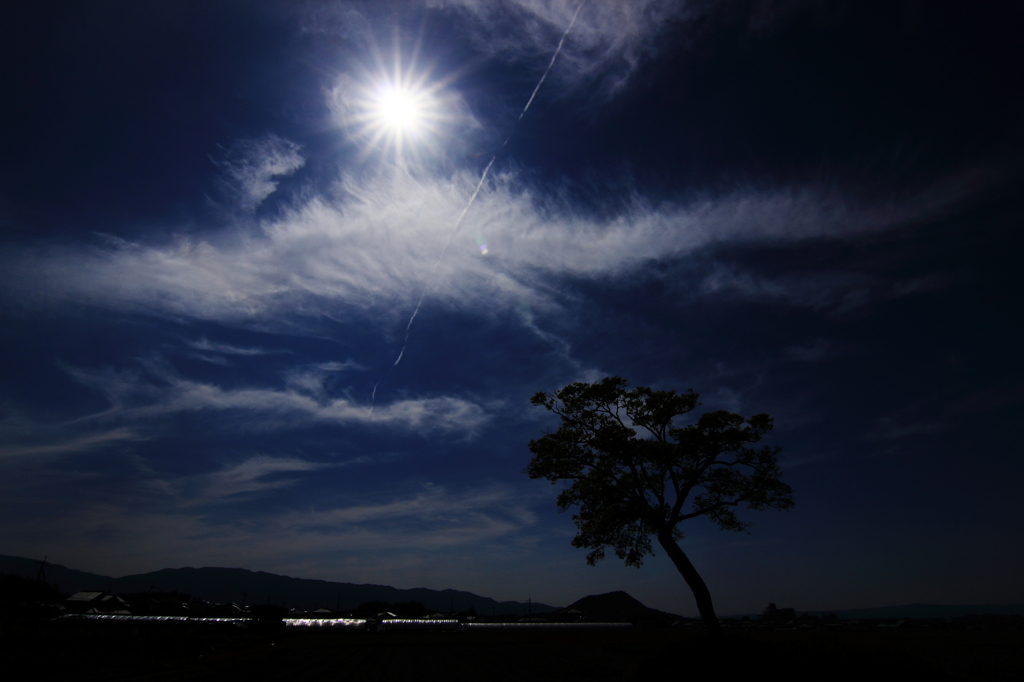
[
  {"x": 251, "y": 476},
  {"x": 446, "y": 518},
  {"x": 367, "y": 252},
  {"x": 609, "y": 41},
  {"x": 836, "y": 292},
  {"x": 312, "y": 379},
  {"x": 71, "y": 444},
  {"x": 227, "y": 349},
  {"x": 251, "y": 167},
  {"x": 134, "y": 397}
]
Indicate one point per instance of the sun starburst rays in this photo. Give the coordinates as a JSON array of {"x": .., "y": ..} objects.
[{"x": 400, "y": 112}]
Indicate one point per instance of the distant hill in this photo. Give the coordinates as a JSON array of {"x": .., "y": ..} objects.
[
  {"x": 618, "y": 607},
  {"x": 67, "y": 579},
  {"x": 225, "y": 585}
]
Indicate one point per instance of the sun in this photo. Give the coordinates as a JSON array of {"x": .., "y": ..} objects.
[
  {"x": 397, "y": 114},
  {"x": 397, "y": 110}
]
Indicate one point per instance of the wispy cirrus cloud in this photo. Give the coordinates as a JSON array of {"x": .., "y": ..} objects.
[
  {"x": 313, "y": 379},
  {"x": 219, "y": 353},
  {"x": 832, "y": 291},
  {"x": 71, "y": 444},
  {"x": 23, "y": 436},
  {"x": 256, "y": 474},
  {"x": 136, "y": 396},
  {"x": 608, "y": 42},
  {"x": 251, "y": 168},
  {"x": 434, "y": 524},
  {"x": 368, "y": 251},
  {"x": 227, "y": 349},
  {"x": 448, "y": 519}
]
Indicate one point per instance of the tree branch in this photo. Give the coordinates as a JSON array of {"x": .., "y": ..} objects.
[{"x": 717, "y": 505}]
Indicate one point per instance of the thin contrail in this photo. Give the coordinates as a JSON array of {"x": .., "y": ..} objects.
[{"x": 472, "y": 198}]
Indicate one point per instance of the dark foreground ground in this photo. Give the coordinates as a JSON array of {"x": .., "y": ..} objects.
[{"x": 46, "y": 650}]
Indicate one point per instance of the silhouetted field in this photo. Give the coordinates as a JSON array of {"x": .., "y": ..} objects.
[{"x": 90, "y": 650}]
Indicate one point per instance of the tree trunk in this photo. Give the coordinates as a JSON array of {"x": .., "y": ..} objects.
[{"x": 693, "y": 579}]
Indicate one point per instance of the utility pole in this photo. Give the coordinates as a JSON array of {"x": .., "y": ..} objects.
[{"x": 41, "y": 576}]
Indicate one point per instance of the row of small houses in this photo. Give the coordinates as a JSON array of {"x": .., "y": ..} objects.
[
  {"x": 102, "y": 603},
  {"x": 103, "y": 606},
  {"x": 112, "y": 604},
  {"x": 97, "y": 603}
]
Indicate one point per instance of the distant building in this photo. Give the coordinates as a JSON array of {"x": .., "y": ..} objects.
[
  {"x": 96, "y": 603},
  {"x": 226, "y": 611},
  {"x": 777, "y": 615},
  {"x": 568, "y": 615}
]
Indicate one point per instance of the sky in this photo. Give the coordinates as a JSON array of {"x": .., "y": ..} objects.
[{"x": 277, "y": 281}]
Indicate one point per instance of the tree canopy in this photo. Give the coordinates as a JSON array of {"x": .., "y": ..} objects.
[{"x": 635, "y": 474}]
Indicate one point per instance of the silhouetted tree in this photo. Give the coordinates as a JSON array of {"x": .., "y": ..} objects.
[
  {"x": 630, "y": 487},
  {"x": 21, "y": 595}
]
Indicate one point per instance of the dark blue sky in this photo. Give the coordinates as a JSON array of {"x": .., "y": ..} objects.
[{"x": 212, "y": 244}]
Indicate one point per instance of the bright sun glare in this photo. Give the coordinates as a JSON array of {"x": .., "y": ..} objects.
[
  {"x": 398, "y": 109},
  {"x": 400, "y": 114}
]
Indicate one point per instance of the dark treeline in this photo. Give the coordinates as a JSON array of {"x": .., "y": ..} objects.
[{"x": 16, "y": 589}]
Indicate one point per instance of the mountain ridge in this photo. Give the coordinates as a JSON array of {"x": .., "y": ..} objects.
[
  {"x": 226, "y": 585},
  {"x": 310, "y": 593}
]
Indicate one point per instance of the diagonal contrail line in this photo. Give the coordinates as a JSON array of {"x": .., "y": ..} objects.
[{"x": 472, "y": 199}]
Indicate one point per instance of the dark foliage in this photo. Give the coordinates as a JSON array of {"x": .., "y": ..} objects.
[
  {"x": 20, "y": 596},
  {"x": 629, "y": 487}
]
